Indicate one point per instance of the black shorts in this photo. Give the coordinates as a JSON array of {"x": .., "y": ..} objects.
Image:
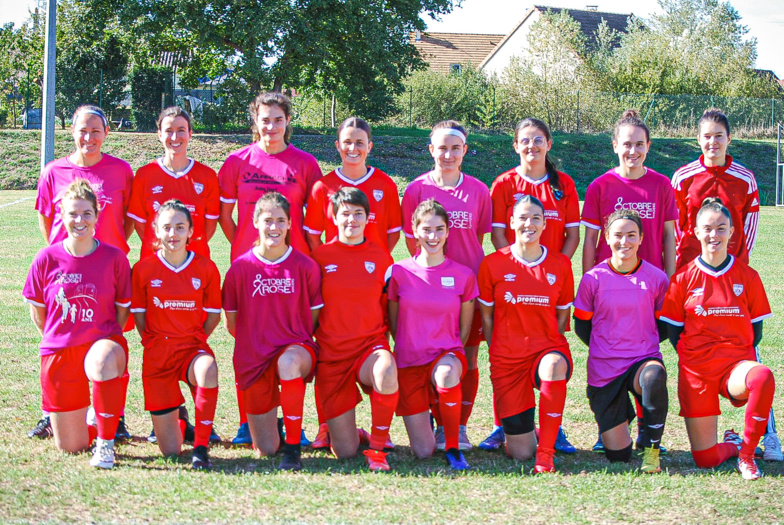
[{"x": 610, "y": 403}]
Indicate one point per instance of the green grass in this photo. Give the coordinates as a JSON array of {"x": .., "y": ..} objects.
[
  {"x": 39, "y": 484},
  {"x": 402, "y": 153}
]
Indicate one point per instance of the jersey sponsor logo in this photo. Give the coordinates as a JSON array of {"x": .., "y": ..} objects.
[
  {"x": 196, "y": 282},
  {"x": 156, "y": 283},
  {"x": 157, "y": 189},
  {"x": 448, "y": 282},
  {"x": 462, "y": 220},
  {"x": 551, "y": 279},
  {"x": 263, "y": 178},
  {"x": 697, "y": 292},
  {"x": 67, "y": 278},
  {"x": 378, "y": 195},
  {"x": 737, "y": 289},
  {"x": 552, "y": 215},
  {"x": 263, "y": 286},
  {"x": 510, "y": 277},
  {"x": 370, "y": 266},
  {"x": 371, "y": 217},
  {"x": 531, "y": 300},
  {"x": 330, "y": 268},
  {"x": 647, "y": 210},
  {"x": 198, "y": 187},
  {"x": 174, "y": 304},
  {"x": 718, "y": 311}
]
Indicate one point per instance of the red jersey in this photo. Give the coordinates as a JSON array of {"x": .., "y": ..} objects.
[
  {"x": 716, "y": 309},
  {"x": 385, "y": 216},
  {"x": 197, "y": 188},
  {"x": 735, "y": 185},
  {"x": 175, "y": 301},
  {"x": 561, "y": 212},
  {"x": 352, "y": 286},
  {"x": 526, "y": 296}
]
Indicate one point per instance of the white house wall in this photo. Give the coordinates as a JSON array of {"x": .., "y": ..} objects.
[{"x": 512, "y": 46}]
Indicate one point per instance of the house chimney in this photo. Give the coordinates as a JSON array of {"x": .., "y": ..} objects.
[
  {"x": 418, "y": 35},
  {"x": 592, "y": 8}
]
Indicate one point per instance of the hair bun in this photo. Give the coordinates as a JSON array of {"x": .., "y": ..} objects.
[
  {"x": 630, "y": 113},
  {"x": 711, "y": 200}
]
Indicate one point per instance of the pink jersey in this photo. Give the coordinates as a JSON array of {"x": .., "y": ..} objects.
[
  {"x": 430, "y": 300},
  {"x": 622, "y": 309},
  {"x": 80, "y": 294},
  {"x": 651, "y": 196},
  {"x": 110, "y": 179},
  {"x": 249, "y": 173},
  {"x": 273, "y": 301},
  {"x": 470, "y": 214}
]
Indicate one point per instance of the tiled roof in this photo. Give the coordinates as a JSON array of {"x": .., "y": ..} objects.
[
  {"x": 591, "y": 20},
  {"x": 441, "y": 50}
]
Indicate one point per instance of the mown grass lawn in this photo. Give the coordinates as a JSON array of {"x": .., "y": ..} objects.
[{"x": 39, "y": 484}]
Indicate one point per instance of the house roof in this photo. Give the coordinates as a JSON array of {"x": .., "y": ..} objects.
[{"x": 441, "y": 50}]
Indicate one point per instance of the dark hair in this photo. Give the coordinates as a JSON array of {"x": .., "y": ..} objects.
[
  {"x": 268, "y": 202},
  {"x": 177, "y": 206},
  {"x": 549, "y": 165},
  {"x": 528, "y": 199},
  {"x": 355, "y": 122},
  {"x": 174, "y": 112},
  {"x": 713, "y": 204},
  {"x": 89, "y": 108},
  {"x": 80, "y": 189},
  {"x": 631, "y": 118},
  {"x": 429, "y": 206},
  {"x": 714, "y": 115},
  {"x": 449, "y": 124},
  {"x": 349, "y": 195},
  {"x": 272, "y": 98},
  {"x": 623, "y": 213}
]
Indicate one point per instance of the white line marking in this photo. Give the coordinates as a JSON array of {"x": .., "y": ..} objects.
[{"x": 16, "y": 202}]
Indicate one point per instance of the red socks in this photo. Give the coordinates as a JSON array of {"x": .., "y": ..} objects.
[
  {"x": 496, "y": 419},
  {"x": 206, "y": 399},
  {"x": 552, "y": 397},
  {"x": 714, "y": 456},
  {"x": 470, "y": 384},
  {"x": 292, "y": 399},
  {"x": 108, "y": 401},
  {"x": 449, "y": 404},
  {"x": 382, "y": 410},
  {"x": 761, "y": 387},
  {"x": 241, "y": 404}
]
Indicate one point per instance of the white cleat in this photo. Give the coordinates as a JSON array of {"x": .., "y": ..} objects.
[
  {"x": 772, "y": 446},
  {"x": 103, "y": 454}
]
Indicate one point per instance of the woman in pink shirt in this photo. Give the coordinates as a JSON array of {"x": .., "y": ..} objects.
[{"x": 431, "y": 307}]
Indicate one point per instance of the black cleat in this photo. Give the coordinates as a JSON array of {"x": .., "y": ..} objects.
[
  {"x": 122, "y": 431},
  {"x": 291, "y": 457},
  {"x": 42, "y": 429},
  {"x": 201, "y": 458}
]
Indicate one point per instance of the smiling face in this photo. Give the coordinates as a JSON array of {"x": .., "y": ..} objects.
[
  {"x": 532, "y": 145},
  {"x": 79, "y": 218},
  {"x": 431, "y": 233},
  {"x": 273, "y": 225},
  {"x": 271, "y": 121},
  {"x": 174, "y": 134},
  {"x": 354, "y": 146},
  {"x": 88, "y": 133},
  {"x": 713, "y": 231},
  {"x": 631, "y": 146},
  {"x": 624, "y": 239},
  {"x": 173, "y": 230},
  {"x": 527, "y": 222},
  {"x": 714, "y": 139},
  {"x": 448, "y": 151},
  {"x": 351, "y": 220}
]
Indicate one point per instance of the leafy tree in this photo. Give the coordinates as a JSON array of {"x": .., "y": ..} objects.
[{"x": 21, "y": 63}]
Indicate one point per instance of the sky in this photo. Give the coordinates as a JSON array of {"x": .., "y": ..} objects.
[{"x": 764, "y": 18}]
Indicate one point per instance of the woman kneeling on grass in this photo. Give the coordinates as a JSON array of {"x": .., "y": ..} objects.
[
  {"x": 352, "y": 333},
  {"x": 79, "y": 292},
  {"x": 715, "y": 306},
  {"x": 176, "y": 305},
  {"x": 526, "y": 293},
  {"x": 272, "y": 299},
  {"x": 431, "y": 308},
  {"x": 615, "y": 315}
]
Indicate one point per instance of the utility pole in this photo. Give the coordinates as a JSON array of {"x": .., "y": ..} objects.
[{"x": 50, "y": 51}]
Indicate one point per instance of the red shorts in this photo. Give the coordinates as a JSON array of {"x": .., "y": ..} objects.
[
  {"x": 64, "y": 383},
  {"x": 415, "y": 384},
  {"x": 264, "y": 394},
  {"x": 513, "y": 386},
  {"x": 477, "y": 334},
  {"x": 163, "y": 367},
  {"x": 699, "y": 394},
  {"x": 338, "y": 386}
]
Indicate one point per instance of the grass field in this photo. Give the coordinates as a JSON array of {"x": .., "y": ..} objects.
[{"x": 39, "y": 484}]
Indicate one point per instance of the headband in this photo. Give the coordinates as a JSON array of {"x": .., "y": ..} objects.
[
  {"x": 93, "y": 112},
  {"x": 448, "y": 131}
]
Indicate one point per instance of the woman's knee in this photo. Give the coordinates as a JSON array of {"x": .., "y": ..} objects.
[
  {"x": 205, "y": 371},
  {"x": 553, "y": 367}
]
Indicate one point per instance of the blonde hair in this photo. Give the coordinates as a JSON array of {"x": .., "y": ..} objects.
[{"x": 80, "y": 189}]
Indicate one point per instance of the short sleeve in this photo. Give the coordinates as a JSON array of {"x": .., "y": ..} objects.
[
  {"x": 123, "y": 291},
  {"x": 227, "y": 180},
  {"x": 392, "y": 284},
  {"x": 485, "y": 209},
  {"x": 759, "y": 308},
  {"x": 313, "y": 174},
  {"x": 136, "y": 209},
  {"x": 212, "y": 195},
  {"x": 584, "y": 300},
  {"x": 229, "y": 292},
  {"x": 498, "y": 200},
  {"x": 471, "y": 289},
  {"x": 314, "y": 285},
  {"x": 139, "y": 298},
  {"x": 316, "y": 214},
  {"x": 212, "y": 290},
  {"x": 485, "y": 284},
  {"x": 572, "y": 204},
  {"x": 566, "y": 295},
  {"x": 673, "y": 310},
  {"x": 661, "y": 291},
  {"x": 668, "y": 201},
  {"x": 44, "y": 199},
  {"x": 33, "y": 291},
  {"x": 592, "y": 215},
  {"x": 409, "y": 204},
  {"x": 394, "y": 211}
]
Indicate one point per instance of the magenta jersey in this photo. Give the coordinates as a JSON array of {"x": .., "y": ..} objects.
[
  {"x": 622, "y": 309},
  {"x": 273, "y": 301},
  {"x": 430, "y": 300},
  {"x": 111, "y": 181},
  {"x": 249, "y": 173},
  {"x": 651, "y": 196},
  {"x": 80, "y": 294},
  {"x": 470, "y": 214}
]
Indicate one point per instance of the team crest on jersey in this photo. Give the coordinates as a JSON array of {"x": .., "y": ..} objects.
[
  {"x": 157, "y": 189},
  {"x": 330, "y": 268},
  {"x": 196, "y": 282},
  {"x": 378, "y": 195},
  {"x": 156, "y": 283},
  {"x": 198, "y": 187},
  {"x": 697, "y": 292},
  {"x": 370, "y": 266},
  {"x": 510, "y": 277},
  {"x": 737, "y": 289},
  {"x": 551, "y": 279}
]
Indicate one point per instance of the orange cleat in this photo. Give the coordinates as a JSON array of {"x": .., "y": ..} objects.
[
  {"x": 322, "y": 437},
  {"x": 376, "y": 460}
]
